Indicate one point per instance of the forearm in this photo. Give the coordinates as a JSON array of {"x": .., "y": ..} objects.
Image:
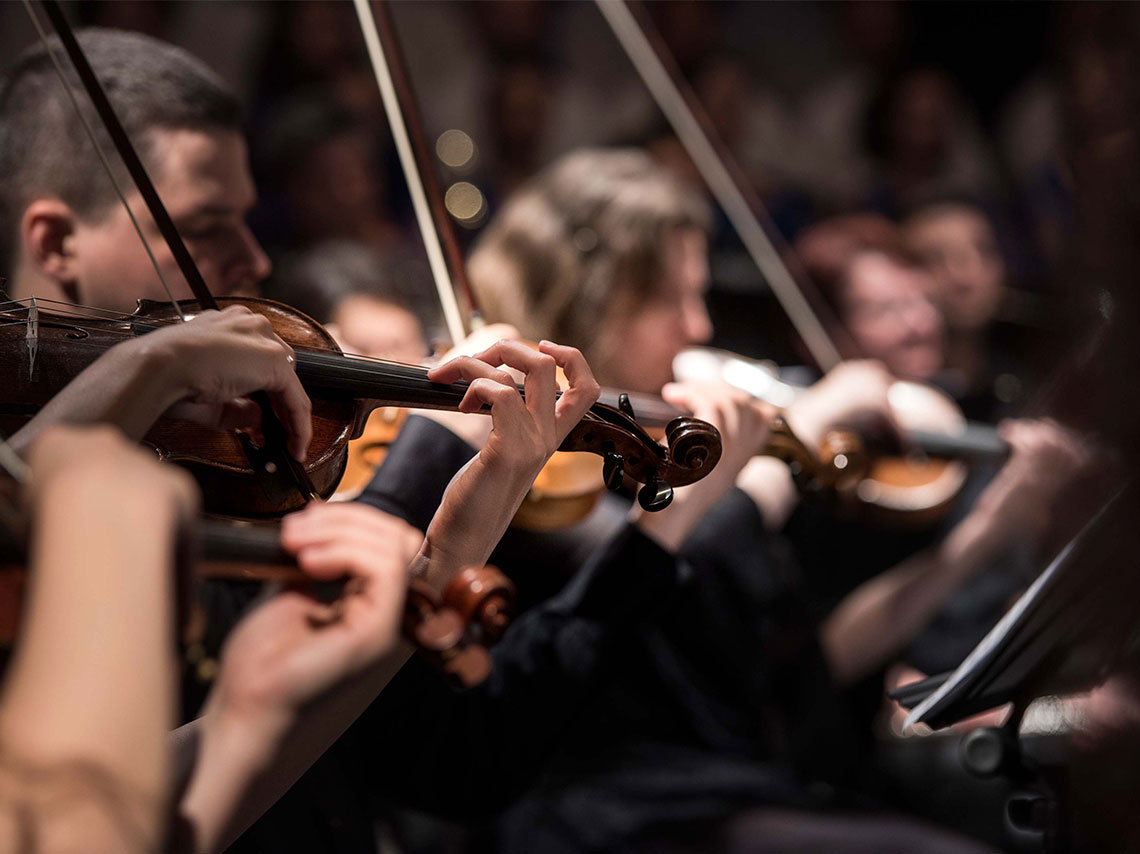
[
  {"x": 878, "y": 619},
  {"x": 477, "y": 508},
  {"x": 95, "y": 684},
  {"x": 90, "y": 691},
  {"x": 129, "y": 386},
  {"x": 242, "y": 764}
]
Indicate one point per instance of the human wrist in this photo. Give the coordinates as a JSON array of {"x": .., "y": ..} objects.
[
  {"x": 246, "y": 733},
  {"x": 81, "y": 492},
  {"x": 161, "y": 367}
]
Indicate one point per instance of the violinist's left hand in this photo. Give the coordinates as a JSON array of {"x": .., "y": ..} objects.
[
  {"x": 482, "y": 499},
  {"x": 296, "y": 672},
  {"x": 472, "y": 429},
  {"x": 853, "y": 393},
  {"x": 743, "y": 424},
  {"x": 292, "y": 647}
]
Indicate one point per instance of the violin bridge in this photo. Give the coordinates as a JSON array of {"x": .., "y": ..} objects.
[{"x": 32, "y": 337}]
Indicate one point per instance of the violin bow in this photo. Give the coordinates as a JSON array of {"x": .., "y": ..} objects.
[
  {"x": 276, "y": 469},
  {"x": 408, "y": 133},
  {"x": 726, "y": 180}
]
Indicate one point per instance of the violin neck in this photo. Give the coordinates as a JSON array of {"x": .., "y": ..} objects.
[
  {"x": 224, "y": 540},
  {"x": 975, "y": 442},
  {"x": 388, "y": 384},
  {"x": 381, "y": 383}
]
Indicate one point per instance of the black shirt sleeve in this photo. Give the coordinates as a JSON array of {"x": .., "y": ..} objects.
[{"x": 414, "y": 475}]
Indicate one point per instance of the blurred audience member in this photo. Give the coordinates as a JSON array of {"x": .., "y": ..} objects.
[
  {"x": 321, "y": 178},
  {"x": 879, "y": 295},
  {"x": 312, "y": 42},
  {"x": 874, "y": 35},
  {"x": 519, "y": 106},
  {"x": 1032, "y": 131},
  {"x": 956, "y": 244},
  {"x": 925, "y": 143}
]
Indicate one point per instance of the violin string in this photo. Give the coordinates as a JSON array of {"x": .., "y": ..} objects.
[
  {"x": 99, "y": 150},
  {"x": 81, "y": 311},
  {"x": 84, "y": 311},
  {"x": 62, "y": 307},
  {"x": 397, "y": 375}
]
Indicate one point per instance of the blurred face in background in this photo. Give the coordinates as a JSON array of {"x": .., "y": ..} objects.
[
  {"x": 957, "y": 246},
  {"x": 336, "y": 188},
  {"x": 921, "y": 124},
  {"x": 640, "y": 343},
  {"x": 367, "y": 326},
  {"x": 887, "y": 311}
]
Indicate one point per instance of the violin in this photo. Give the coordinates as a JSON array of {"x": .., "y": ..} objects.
[
  {"x": 914, "y": 485},
  {"x": 48, "y": 350},
  {"x": 453, "y": 628}
]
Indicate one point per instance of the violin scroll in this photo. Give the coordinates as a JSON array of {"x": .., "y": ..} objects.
[
  {"x": 454, "y": 629},
  {"x": 484, "y": 598},
  {"x": 693, "y": 449},
  {"x": 693, "y": 444}
]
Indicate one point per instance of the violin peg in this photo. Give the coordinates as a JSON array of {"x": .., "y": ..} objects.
[
  {"x": 625, "y": 406},
  {"x": 484, "y": 597},
  {"x": 438, "y": 631},
  {"x": 613, "y": 471},
  {"x": 655, "y": 496}
]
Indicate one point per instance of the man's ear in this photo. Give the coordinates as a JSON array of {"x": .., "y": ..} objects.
[{"x": 47, "y": 231}]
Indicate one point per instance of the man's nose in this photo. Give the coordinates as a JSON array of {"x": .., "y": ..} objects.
[
  {"x": 922, "y": 317},
  {"x": 251, "y": 267},
  {"x": 698, "y": 324}
]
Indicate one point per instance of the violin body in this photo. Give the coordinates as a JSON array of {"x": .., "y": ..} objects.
[
  {"x": 366, "y": 453},
  {"x": 49, "y": 350},
  {"x": 217, "y": 459}
]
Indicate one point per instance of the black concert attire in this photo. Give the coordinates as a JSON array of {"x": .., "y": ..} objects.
[
  {"x": 672, "y": 696},
  {"x": 725, "y": 706},
  {"x": 467, "y": 754}
]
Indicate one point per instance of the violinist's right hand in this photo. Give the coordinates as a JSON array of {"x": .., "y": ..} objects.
[
  {"x": 202, "y": 370},
  {"x": 1045, "y": 459},
  {"x": 296, "y": 672},
  {"x": 292, "y": 648},
  {"x": 219, "y": 357}
]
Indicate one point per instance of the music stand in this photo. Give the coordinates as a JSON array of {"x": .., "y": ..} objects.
[{"x": 1063, "y": 635}]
